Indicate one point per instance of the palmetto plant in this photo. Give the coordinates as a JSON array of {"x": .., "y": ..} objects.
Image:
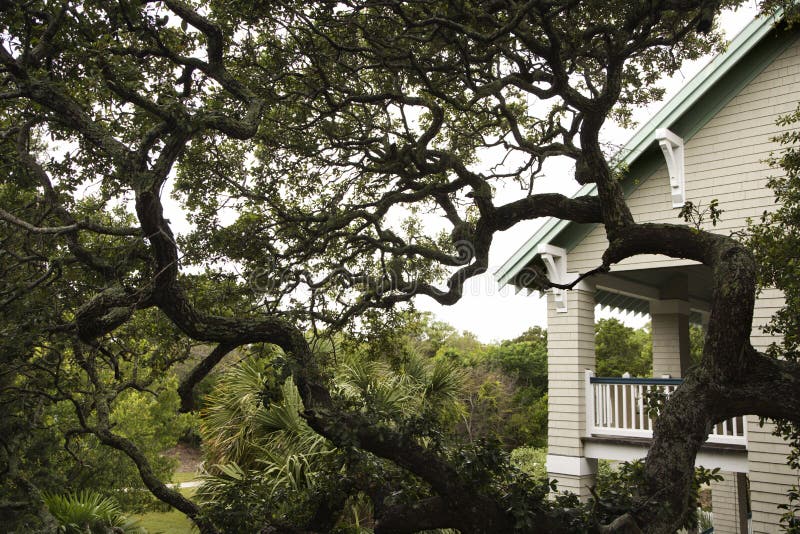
[
  {"x": 89, "y": 512},
  {"x": 417, "y": 386},
  {"x": 242, "y": 436},
  {"x": 228, "y": 423},
  {"x": 269, "y": 452}
]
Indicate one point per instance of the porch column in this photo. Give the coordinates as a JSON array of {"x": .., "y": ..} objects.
[
  {"x": 670, "y": 325},
  {"x": 570, "y": 350}
]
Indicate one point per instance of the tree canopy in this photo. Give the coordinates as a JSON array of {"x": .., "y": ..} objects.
[{"x": 305, "y": 141}]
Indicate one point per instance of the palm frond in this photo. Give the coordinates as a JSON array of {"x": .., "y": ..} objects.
[
  {"x": 228, "y": 421},
  {"x": 445, "y": 381},
  {"x": 88, "y": 511}
]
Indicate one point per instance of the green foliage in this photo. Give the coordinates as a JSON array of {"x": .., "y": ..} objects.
[
  {"x": 153, "y": 423},
  {"x": 531, "y": 461},
  {"x": 501, "y": 388},
  {"x": 89, "y": 512},
  {"x": 790, "y": 518},
  {"x": 261, "y": 458},
  {"x": 696, "y": 214},
  {"x": 620, "y": 489},
  {"x": 487, "y": 468},
  {"x": 264, "y": 461},
  {"x": 55, "y": 458},
  {"x": 696, "y": 342},
  {"x": 621, "y": 349},
  {"x": 507, "y": 391},
  {"x": 523, "y": 359}
]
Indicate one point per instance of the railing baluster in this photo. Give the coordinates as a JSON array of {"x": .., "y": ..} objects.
[
  {"x": 625, "y": 390},
  {"x": 598, "y": 401},
  {"x": 598, "y": 404},
  {"x": 619, "y": 407},
  {"x": 641, "y": 406},
  {"x": 598, "y": 408}
]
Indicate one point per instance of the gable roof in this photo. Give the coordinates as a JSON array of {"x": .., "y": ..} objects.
[{"x": 688, "y": 111}]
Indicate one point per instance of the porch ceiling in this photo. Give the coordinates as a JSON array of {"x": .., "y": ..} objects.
[{"x": 632, "y": 291}]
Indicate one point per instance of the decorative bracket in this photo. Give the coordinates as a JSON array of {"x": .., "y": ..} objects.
[
  {"x": 555, "y": 259},
  {"x": 672, "y": 147}
]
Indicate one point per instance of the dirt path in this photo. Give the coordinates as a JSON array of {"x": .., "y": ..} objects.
[{"x": 188, "y": 457}]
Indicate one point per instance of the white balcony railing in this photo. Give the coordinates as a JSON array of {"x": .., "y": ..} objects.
[{"x": 619, "y": 407}]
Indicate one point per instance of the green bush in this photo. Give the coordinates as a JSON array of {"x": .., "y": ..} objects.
[
  {"x": 89, "y": 512},
  {"x": 531, "y": 461}
]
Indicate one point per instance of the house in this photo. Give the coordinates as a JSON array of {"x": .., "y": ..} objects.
[{"x": 709, "y": 142}]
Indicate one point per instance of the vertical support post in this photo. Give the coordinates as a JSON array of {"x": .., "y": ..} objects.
[
  {"x": 591, "y": 421},
  {"x": 670, "y": 324},
  {"x": 570, "y": 349}
]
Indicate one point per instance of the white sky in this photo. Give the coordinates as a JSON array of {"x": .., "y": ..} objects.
[{"x": 494, "y": 313}]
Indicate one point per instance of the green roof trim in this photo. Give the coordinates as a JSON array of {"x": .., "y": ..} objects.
[{"x": 683, "y": 114}]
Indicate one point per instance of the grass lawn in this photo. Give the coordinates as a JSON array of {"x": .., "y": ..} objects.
[
  {"x": 172, "y": 522},
  {"x": 183, "y": 476}
]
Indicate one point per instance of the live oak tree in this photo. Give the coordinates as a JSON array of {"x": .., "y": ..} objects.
[{"x": 306, "y": 141}]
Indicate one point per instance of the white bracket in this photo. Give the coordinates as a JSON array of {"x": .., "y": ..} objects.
[
  {"x": 672, "y": 147},
  {"x": 555, "y": 259}
]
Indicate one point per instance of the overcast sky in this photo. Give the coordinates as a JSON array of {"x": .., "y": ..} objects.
[{"x": 495, "y": 313}]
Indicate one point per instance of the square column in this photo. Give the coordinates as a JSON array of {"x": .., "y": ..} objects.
[
  {"x": 570, "y": 352},
  {"x": 670, "y": 325}
]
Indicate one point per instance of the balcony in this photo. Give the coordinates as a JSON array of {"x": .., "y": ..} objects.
[{"x": 618, "y": 408}]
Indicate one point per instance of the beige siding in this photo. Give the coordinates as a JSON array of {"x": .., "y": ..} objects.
[
  {"x": 770, "y": 477},
  {"x": 725, "y": 505},
  {"x": 724, "y": 160},
  {"x": 573, "y": 484},
  {"x": 670, "y": 337}
]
